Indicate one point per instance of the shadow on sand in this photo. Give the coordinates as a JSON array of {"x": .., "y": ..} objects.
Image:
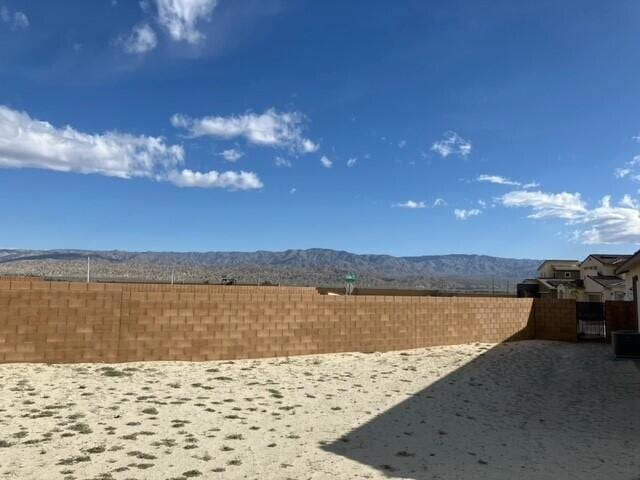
[{"x": 528, "y": 410}]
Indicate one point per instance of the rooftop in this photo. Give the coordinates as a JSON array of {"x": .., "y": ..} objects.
[
  {"x": 608, "y": 281},
  {"x": 631, "y": 261},
  {"x": 609, "y": 259},
  {"x": 561, "y": 262}
]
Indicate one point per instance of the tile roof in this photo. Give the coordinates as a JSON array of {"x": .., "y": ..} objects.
[
  {"x": 626, "y": 266},
  {"x": 563, "y": 262},
  {"x": 608, "y": 281},
  {"x": 611, "y": 259}
]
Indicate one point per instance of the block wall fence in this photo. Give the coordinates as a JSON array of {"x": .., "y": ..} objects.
[
  {"x": 61, "y": 322},
  {"x": 620, "y": 316}
]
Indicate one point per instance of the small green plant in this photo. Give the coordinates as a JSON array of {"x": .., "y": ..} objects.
[
  {"x": 98, "y": 449},
  {"x": 80, "y": 428},
  {"x": 142, "y": 455},
  {"x": 74, "y": 460},
  {"x": 192, "y": 473},
  {"x": 112, "y": 372}
]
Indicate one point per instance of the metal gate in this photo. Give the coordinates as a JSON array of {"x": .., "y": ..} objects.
[{"x": 591, "y": 324}]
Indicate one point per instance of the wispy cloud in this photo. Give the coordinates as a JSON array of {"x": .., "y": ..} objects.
[
  {"x": 439, "y": 202},
  {"x": 231, "y": 155},
  {"x": 29, "y": 143},
  {"x": 402, "y": 143},
  {"x": 292, "y": 191},
  {"x": 452, "y": 144},
  {"x": 463, "y": 214},
  {"x": 15, "y": 20},
  {"x": 352, "y": 162},
  {"x": 271, "y": 128},
  {"x": 500, "y": 180},
  {"x": 283, "y": 162},
  {"x": 181, "y": 17},
  {"x": 604, "y": 224},
  {"x": 631, "y": 169},
  {"x": 412, "y": 204},
  {"x": 326, "y": 163},
  {"x": 568, "y": 206},
  {"x": 142, "y": 39},
  {"x": 228, "y": 180}
]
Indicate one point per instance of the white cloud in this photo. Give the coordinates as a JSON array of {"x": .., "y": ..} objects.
[
  {"x": 605, "y": 224},
  {"x": 141, "y": 40},
  {"x": 410, "y": 204},
  {"x": 180, "y": 18},
  {"x": 20, "y": 20},
  {"x": 293, "y": 190},
  {"x": 439, "y": 202},
  {"x": 352, "y": 162},
  {"x": 482, "y": 204},
  {"x": 16, "y": 20},
  {"x": 631, "y": 169},
  {"x": 568, "y": 206},
  {"x": 229, "y": 180},
  {"x": 452, "y": 144},
  {"x": 326, "y": 162},
  {"x": 232, "y": 155},
  {"x": 499, "y": 180},
  {"x": 402, "y": 143},
  {"x": 462, "y": 214},
  {"x": 622, "y": 172},
  {"x": 283, "y": 162},
  {"x": 271, "y": 128},
  {"x": 308, "y": 146},
  {"x": 613, "y": 224},
  {"x": 29, "y": 143}
]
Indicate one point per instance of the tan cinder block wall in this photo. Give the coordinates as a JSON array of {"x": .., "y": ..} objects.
[
  {"x": 555, "y": 320},
  {"x": 620, "y": 315},
  {"x": 76, "y": 322},
  {"x": 58, "y": 322}
]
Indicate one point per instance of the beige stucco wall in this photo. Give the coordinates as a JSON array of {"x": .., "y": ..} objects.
[
  {"x": 593, "y": 267},
  {"x": 548, "y": 270},
  {"x": 635, "y": 271},
  {"x": 594, "y": 288}
]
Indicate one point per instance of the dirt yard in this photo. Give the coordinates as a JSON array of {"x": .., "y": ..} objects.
[{"x": 526, "y": 410}]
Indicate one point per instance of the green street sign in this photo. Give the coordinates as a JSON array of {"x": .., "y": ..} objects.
[{"x": 351, "y": 278}]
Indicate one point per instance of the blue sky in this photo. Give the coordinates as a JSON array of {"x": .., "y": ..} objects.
[{"x": 504, "y": 128}]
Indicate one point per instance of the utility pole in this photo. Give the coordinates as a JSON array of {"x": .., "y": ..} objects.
[
  {"x": 88, "y": 269},
  {"x": 172, "y": 276}
]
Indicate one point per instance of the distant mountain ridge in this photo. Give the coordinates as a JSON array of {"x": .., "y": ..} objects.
[{"x": 314, "y": 263}]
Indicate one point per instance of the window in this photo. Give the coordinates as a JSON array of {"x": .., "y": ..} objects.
[{"x": 567, "y": 274}]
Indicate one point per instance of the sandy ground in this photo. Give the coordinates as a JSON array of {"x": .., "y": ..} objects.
[{"x": 525, "y": 410}]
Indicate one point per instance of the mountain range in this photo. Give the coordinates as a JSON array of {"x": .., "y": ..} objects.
[{"x": 301, "y": 267}]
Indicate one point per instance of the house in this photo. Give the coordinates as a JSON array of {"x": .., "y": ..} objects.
[
  {"x": 595, "y": 279},
  {"x": 631, "y": 271},
  {"x": 559, "y": 270},
  {"x": 552, "y": 274},
  {"x": 599, "y": 272}
]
